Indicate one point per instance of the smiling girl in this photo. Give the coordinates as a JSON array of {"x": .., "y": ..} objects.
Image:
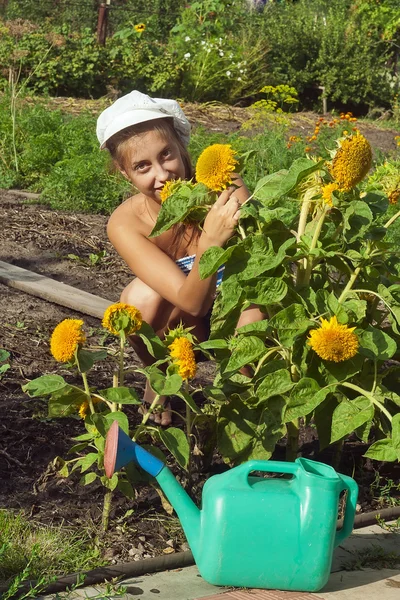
[{"x": 147, "y": 139}]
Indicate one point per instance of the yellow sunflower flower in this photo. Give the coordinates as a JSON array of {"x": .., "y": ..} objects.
[
  {"x": 394, "y": 195},
  {"x": 66, "y": 338},
  {"x": 119, "y": 310},
  {"x": 84, "y": 409},
  {"x": 140, "y": 27},
  {"x": 327, "y": 191},
  {"x": 183, "y": 356},
  {"x": 351, "y": 162},
  {"x": 215, "y": 166},
  {"x": 333, "y": 341}
]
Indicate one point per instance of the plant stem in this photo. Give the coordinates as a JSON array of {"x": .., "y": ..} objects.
[
  {"x": 106, "y": 509},
  {"x": 305, "y": 208},
  {"x": 392, "y": 220},
  {"x": 87, "y": 392},
  {"x": 241, "y": 231},
  {"x": 292, "y": 445},
  {"x": 121, "y": 360},
  {"x": 349, "y": 285},
  {"x": 308, "y": 261},
  {"x": 146, "y": 416},
  {"x": 189, "y": 428},
  {"x": 369, "y": 396}
]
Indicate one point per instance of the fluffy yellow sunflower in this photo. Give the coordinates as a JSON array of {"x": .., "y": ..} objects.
[
  {"x": 351, "y": 162},
  {"x": 327, "y": 191},
  {"x": 140, "y": 27},
  {"x": 333, "y": 341},
  {"x": 181, "y": 351},
  {"x": 66, "y": 338},
  {"x": 215, "y": 166},
  {"x": 84, "y": 407},
  {"x": 122, "y": 317}
]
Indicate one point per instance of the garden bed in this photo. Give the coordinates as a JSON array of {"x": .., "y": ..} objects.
[{"x": 73, "y": 248}]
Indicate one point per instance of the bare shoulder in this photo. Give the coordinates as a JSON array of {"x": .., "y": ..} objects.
[{"x": 130, "y": 215}]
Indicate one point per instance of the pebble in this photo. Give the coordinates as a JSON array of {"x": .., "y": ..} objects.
[
  {"x": 142, "y": 538},
  {"x": 170, "y": 543}
]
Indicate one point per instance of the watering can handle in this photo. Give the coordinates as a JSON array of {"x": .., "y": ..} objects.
[
  {"x": 350, "y": 485},
  {"x": 268, "y": 466}
]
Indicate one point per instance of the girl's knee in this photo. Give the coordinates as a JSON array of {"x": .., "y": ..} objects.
[{"x": 154, "y": 308}]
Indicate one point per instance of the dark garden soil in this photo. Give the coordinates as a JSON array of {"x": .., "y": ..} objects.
[{"x": 73, "y": 248}]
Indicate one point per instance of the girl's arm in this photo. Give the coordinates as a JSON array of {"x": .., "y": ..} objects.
[{"x": 157, "y": 270}]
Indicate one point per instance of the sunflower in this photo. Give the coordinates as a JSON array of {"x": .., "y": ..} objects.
[
  {"x": 394, "y": 195},
  {"x": 122, "y": 317},
  {"x": 66, "y": 338},
  {"x": 84, "y": 409},
  {"x": 140, "y": 27},
  {"x": 215, "y": 166},
  {"x": 333, "y": 341},
  {"x": 183, "y": 356},
  {"x": 351, "y": 162},
  {"x": 327, "y": 191}
]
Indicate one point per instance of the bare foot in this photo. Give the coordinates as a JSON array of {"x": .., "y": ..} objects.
[{"x": 158, "y": 416}]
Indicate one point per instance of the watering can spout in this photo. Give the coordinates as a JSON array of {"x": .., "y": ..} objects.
[{"x": 120, "y": 450}]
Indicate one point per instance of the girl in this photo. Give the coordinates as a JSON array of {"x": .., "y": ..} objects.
[{"x": 147, "y": 139}]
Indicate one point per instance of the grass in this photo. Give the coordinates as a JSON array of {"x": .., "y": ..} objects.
[
  {"x": 374, "y": 557},
  {"x": 40, "y": 551}
]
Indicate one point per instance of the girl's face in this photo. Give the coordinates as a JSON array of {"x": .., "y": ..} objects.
[{"x": 152, "y": 160}]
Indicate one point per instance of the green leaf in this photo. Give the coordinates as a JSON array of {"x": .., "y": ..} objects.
[
  {"x": 213, "y": 258},
  {"x": 45, "y": 385},
  {"x": 213, "y": 345},
  {"x": 85, "y": 360},
  {"x": 165, "y": 385},
  {"x": 120, "y": 395},
  {"x": 349, "y": 415},
  {"x": 236, "y": 428},
  {"x": 376, "y": 344},
  {"x": 335, "y": 372},
  {"x": 258, "y": 328},
  {"x": 88, "y": 478},
  {"x": 78, "y": 447},
  {"x": 357, "y": 219},
  {"x": 396, "y": 432},
  {"x": 152, "y": 342},
  {"x": 383, "y": 450},
  {"x": 304, "y": 398},
  {"x": 246, "y": 351},
  {"x": 125, "y": 487},
  {"x": 87, "y": 461},
  {"x": 175, "y": 440},
  {"x": 274, "y": 384},
  {"x": 268, "y": 188},
  {"x": 4, "y": 355},
  {"x": 117, "y": 416},
  {"x": 179, "y": 205},
  {"x": 65, "y": 401},
  {"x": 291, "y": 322},
  {"x": 269, "y": 290},
  {"x": 299, "y": 170},
  {"x": 189, "y": 401}
]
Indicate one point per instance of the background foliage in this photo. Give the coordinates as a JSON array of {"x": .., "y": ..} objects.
[{"x": 207, "y": 50}]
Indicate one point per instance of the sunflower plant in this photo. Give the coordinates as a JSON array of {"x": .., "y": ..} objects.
[
  {"x": 312, "y": 253},
  {"x": 170, "y": 374}
]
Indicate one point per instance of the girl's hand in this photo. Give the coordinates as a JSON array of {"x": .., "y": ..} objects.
[{"x": 222, "y": 219}]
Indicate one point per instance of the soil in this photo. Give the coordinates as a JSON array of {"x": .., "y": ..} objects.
[{"x": 73, "y": 248}]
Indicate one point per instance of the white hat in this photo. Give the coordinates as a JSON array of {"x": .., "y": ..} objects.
[{"x": 135, "y": 108}]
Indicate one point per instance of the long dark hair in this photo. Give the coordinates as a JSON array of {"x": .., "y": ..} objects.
[{"x": 117, "y": 146}]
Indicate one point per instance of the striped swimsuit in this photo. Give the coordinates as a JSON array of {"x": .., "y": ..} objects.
[{"x": 186, "y": 264}]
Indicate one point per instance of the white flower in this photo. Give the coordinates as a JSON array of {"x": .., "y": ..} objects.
[
  {"x": 221, "y": 53},
  {"x": 187, "y": 39},
  {"x": 239, "y": 79},
  {"x": 228, "y": 73},
  {"x": 203, "y": 43},
  {"x": 187, "y": 55},
  {"x": 241, "y": 71}
]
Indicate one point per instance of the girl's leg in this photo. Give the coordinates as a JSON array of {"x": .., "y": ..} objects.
[
  {"x": 155, "y": 311},
  {"x": 161, "y": 315},
  {"x": 250, "y": 315}
]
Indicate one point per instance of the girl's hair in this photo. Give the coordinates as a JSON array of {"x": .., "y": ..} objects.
[{"x": 118, "y": 144}]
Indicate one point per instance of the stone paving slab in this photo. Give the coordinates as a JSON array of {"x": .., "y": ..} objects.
[{"x": 187, "y": 584}]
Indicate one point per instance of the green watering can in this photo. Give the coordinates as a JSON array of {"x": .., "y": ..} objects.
[{"x": 252, "y": 531}]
